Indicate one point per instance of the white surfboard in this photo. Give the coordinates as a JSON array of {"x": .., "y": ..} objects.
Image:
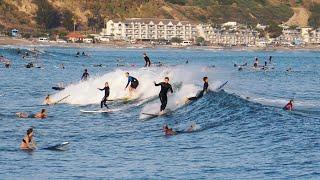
[{"x": 100, "y": 110}]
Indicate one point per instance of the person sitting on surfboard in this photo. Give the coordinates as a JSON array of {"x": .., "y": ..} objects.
[
  {"x": 28, "y": 142},
  {"x": 47, "y": 100},
  {"x": 168, "y": 131},
  {"x": 85, "y": 75},
  {"x": 106, "y": 90},
  {"x": 289, "y": 106},
  {"x": 165, "y": 87},
  {"x": 204, "y": 90},
  {"x": 134, "y": 83},
  {"x": 40, "y": 115}
]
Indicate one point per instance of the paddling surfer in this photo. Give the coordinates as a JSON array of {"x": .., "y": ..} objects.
[
  {"x": 289, "y": 106},
  {"x": 106, "y": 90},
  {"x": 28, "y": 142},
  {"x": 256, "y": 63},
  {"x": 165, "y": 87},
  {"x": 40, "y": 115}
]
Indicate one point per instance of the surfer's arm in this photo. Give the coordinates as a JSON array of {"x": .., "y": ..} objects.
[
  {"x": 157, "y": 84},
  {"x": 171, "y": 89},
  {"x": 128, "y": 82}
]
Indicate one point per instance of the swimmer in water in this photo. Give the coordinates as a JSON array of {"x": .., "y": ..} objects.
[
  {"x": 40, "y": 115},
  {"x": 165, "y": 87},
  {"x": 289, "y": 106},
  {"x": 28, "y": 142},
  {"x": 168, "y": 131},
  {"x": 256, "y": 63}
]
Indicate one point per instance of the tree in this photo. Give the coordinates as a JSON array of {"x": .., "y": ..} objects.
[
  {"x": 47, "y": 16},
  {"x": 200, "y": 41},
  {"x": 274, "y": 30},
  {"x": 67, "y": 19},
  {"x": 176, "y": 40}
]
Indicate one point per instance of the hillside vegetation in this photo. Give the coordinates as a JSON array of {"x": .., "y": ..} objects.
[{"x": 44, "y": 15}]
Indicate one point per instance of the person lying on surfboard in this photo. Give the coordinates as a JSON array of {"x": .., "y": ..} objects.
[
  {"x": 106, "y": 90},
  {"x": 28, "y": 142},
  {"x": 165, "y": 87},
  {"x": 134, "y": 83},
  {"x": 204, "y": 90},
  {"x": 289, "y": 106},
  {"x": 40, "y": 115}
]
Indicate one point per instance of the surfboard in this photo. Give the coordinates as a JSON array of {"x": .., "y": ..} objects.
[
  {"x": 60, "y": 100},
  {"x": 58, "y": 147},
  {"x": 99, "y": 110},
  {"x": 58, "y": 88},
  {"x": 150, "y": 114},
  {"x": 221, "y": 86}
]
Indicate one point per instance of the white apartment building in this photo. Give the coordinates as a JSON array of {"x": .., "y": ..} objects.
[
  {"x": 149, "y": 28},
  {"x": 315, "y": 36}
]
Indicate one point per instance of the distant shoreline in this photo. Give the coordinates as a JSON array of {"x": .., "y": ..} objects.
[{"x": 7, "y": 41}]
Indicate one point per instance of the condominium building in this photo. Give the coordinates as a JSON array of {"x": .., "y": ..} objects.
[{"x": 149, "y": 29}]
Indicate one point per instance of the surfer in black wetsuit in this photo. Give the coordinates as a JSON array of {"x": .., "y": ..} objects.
[
  {"x": 147, "y": 59},
  {"x": 256, "y": 63},
  {"x": 165, "y": 87},
  {"x": 204, "y": 90},
  {"x": 106, "y": 90},
  {"x": 85, "y": 75}
]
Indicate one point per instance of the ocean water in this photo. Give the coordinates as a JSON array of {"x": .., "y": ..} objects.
[{"x": 242, "y": 131}]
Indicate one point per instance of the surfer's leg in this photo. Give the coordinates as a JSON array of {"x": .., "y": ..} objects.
[
  {"x": 163, "y": 102},
  {"x": 103, "y": 102}
]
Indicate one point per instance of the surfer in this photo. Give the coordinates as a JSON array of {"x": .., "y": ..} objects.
[
  {"x": 40, "y": 115},
  {"x": 7, "y": 64},
  {"x": 204, "y": 89},
  {"x": 27, "y": 142},
  {"x": 78, "y": 54},
  {"x": 256, "y": 63},
  {"x": 106, "y": 90},
  {"x": 168, "y": 131},
  {"x": 85, "y": 75},
  {"x": 147, "y": 60},
  {"x": 47, "y": 100},
  {"x": 270, "y": 59},
  {"x": 289, "y": 106},
  {"x": 134, "y": 83},
  {"x": 165, "y": 87}
]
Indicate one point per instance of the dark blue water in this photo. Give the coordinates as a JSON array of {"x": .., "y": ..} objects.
[{"x": 237, "y": 137}]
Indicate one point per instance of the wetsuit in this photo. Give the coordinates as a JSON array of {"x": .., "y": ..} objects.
[
  {"x": 106, "y": 95},
  {"x": 134, "y": 82},
  {"x": 85, "y": 76},
  {"x": 148, "y": 62},
  {"x": 200, "y": 94},
  {"x": 289, "y": 106},
  {"x": 165, "y": 87}
]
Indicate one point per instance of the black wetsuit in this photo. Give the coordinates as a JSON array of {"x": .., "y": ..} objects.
[
  {"x": 85, "y": 76},
  {"x": 106, "y": 95},
  {"x": 148, "y": 62},
  {"x": 201, "y": 93},
  {"x": 165, "y": 87}
]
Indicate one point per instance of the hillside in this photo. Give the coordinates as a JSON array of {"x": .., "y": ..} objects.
[{"x": 41, "y": 15}]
